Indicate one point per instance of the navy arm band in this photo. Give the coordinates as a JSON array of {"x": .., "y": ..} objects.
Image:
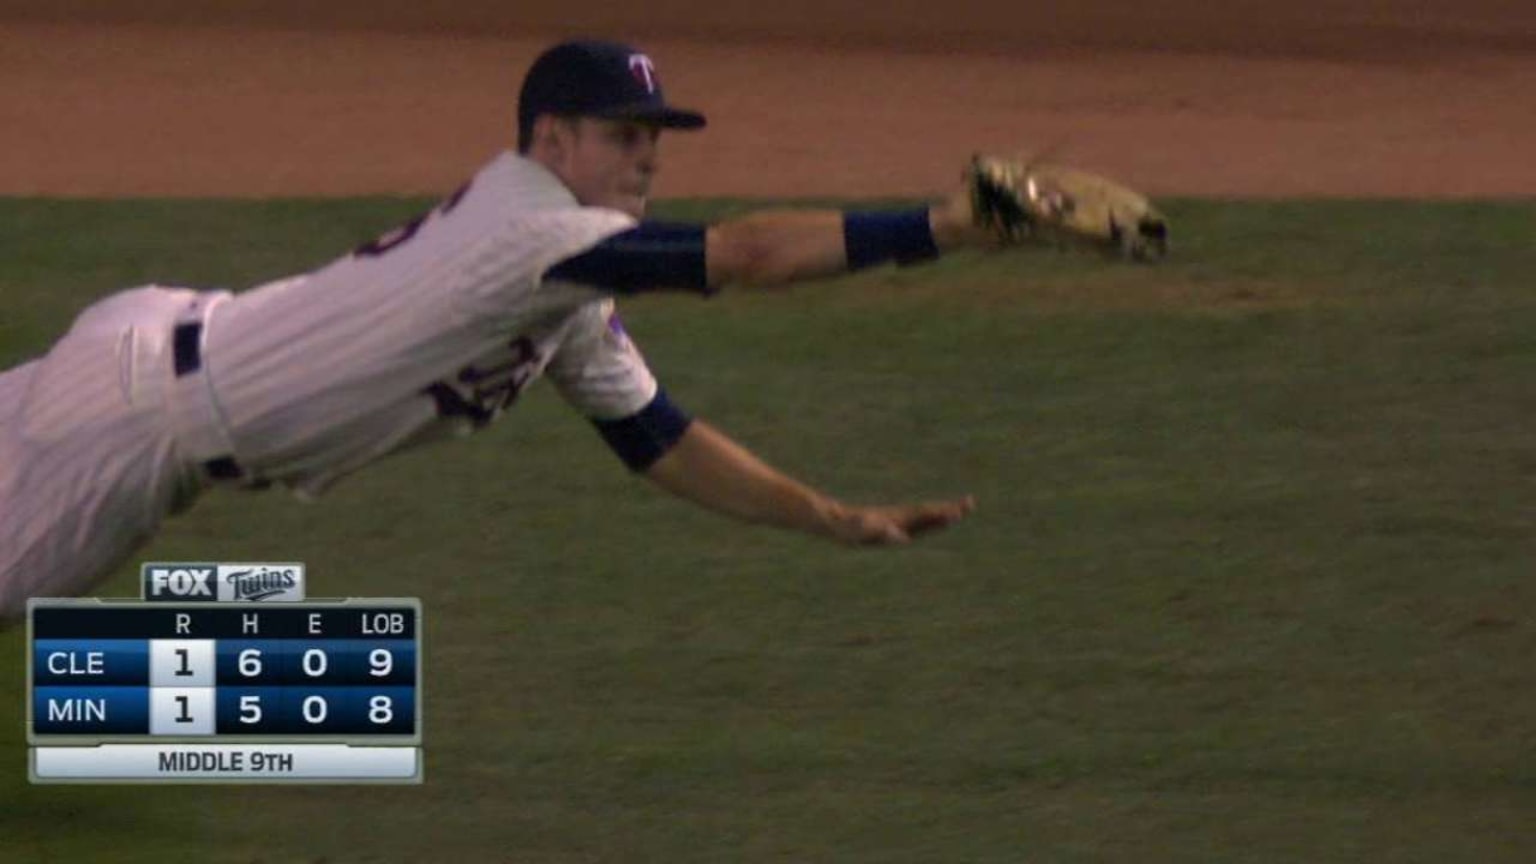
[
  {"x": 644, "y": 437},
  {"x": 651, "y": 256},
  {"x": 874, "y": 237}
]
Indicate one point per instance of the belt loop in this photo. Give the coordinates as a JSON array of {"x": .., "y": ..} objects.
[
  {"x": 223, "y": 468},
  {"x": 186, "y": 341},
  {"x": 195, "y": 413}
]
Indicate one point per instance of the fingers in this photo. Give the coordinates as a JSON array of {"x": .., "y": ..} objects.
[
  {"x": 956, "y": 225},
  {"x": 899, "y": 525},
  {"x": 886, "y": 532},
  {"x": 935, "y": 515}
]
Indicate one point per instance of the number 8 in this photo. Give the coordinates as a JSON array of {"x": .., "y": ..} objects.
[{"x": 380, "y": 710}]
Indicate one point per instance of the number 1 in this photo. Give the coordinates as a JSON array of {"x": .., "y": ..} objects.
[{"x": 185, "y": 670}]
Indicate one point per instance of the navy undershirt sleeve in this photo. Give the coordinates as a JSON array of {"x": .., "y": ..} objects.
[
  {"x": 873, "y": 237},
  {"x": 652, "y": 256},
  {"x": 644, "y": 437}
]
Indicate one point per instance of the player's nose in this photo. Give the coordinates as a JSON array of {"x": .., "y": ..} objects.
[
  {"x": 647, "y": 150},
  {"x": 649, "y": 157}
]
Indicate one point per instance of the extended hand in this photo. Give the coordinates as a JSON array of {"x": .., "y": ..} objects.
[{"x": 893, "y": 525}]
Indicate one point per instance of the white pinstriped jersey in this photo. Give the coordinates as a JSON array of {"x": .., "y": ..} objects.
[{"x": 436, "y": 327}]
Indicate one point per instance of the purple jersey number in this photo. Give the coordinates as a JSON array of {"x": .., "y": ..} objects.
[
  {"x": 395, "y": 237},
  {"x": 479, "y": 393}
]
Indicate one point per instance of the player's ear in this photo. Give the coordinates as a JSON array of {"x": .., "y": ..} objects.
[{"x": 552, "y": 136}]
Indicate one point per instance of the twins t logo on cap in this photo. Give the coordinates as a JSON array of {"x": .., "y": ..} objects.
[
  {"x": 644, "y": 71},
  {"x": 587, "y": 78}
]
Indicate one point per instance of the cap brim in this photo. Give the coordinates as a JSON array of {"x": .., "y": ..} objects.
[{"x": 666, "y": 117}]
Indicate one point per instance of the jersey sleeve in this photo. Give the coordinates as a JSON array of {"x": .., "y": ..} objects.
[
  {"x": 597, "y": 369},
  {"x": 599, "y": 372},
  {"x": 652, "y": 256}
]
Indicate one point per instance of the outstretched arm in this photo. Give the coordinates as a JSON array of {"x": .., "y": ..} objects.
[
  {"x": 779, "y": 246},
  {"x": 1000, "y": 203},
  {"x": 710, "y": 469},
  {"x": 773, "y": 247}
]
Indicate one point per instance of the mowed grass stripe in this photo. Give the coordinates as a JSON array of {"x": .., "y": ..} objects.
[{"x": 1249, "y": 581}]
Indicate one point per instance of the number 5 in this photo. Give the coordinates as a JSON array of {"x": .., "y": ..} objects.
[{"x": 250, "y": 709}]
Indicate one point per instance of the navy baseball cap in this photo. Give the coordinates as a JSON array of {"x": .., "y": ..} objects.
[{"x": 591, "y": 78}]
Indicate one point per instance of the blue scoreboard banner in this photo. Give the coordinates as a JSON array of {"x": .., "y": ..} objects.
[{"x": 153, "y": 691}]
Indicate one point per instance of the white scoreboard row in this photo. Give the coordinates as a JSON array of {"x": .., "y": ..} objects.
[{"x": 222, "y": 763}]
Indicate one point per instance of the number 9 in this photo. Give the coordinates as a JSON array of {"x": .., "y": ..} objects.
[{"x": 380, "y": 663}]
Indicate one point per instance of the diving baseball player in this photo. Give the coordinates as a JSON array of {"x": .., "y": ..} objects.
[{"x": 158, "y": 393}]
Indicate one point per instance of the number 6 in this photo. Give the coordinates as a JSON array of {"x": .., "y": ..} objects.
[{"x": 250, "y": 662}]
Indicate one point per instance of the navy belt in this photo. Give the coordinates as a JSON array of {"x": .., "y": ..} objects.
[{"x": 187, "y": 351}]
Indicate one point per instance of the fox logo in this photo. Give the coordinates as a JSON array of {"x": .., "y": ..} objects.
[{"x": 178, "y": 582}]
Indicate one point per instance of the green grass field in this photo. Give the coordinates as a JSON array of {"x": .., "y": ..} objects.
[{"x": 1250, "y": 580}]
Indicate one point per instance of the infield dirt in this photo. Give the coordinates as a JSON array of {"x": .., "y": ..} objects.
[{"x": 1362, "y": 98}]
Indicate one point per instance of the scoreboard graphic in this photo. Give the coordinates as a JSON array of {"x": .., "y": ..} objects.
[{"x": 223, "y": 673}]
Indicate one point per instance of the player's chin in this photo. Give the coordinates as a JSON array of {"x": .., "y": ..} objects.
[
  {"x": 635, "y": 205},
  {"x": 632, "y": 198}
]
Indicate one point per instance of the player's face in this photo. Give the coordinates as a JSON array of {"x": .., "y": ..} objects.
[{"x": 609, "y": 163}]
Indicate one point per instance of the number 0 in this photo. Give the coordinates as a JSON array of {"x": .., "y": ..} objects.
[
  {"x": 315, "y": 709},
  {"x": 314, "y": 662}
]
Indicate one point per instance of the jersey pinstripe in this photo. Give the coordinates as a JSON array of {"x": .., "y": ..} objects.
[
  {"x": 88, "y": 465},
  {"x": 435, "y": 328}
]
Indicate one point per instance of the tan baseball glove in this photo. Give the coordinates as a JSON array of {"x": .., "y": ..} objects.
[{"x": 1038, "y": 202}]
